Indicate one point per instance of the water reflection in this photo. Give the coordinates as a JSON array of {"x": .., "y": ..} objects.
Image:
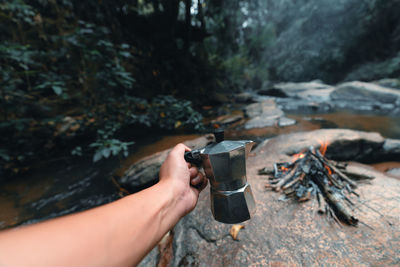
[{"x": 67, "y": 186}]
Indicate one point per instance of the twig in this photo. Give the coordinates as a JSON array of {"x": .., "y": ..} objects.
[{"x": 336, "y": 170}]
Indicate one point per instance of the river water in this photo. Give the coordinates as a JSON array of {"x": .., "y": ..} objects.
[{"x": 70, "y": 185}]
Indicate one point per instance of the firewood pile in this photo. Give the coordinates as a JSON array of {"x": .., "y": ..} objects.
[{"x": 312, "y": 175}]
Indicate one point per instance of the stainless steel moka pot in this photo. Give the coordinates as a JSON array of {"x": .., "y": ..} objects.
[{"x": 224, "y": 164}]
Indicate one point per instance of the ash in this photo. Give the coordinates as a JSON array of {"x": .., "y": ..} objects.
[{"x": 312, "y": 175}]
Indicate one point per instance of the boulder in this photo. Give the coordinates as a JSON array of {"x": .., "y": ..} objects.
[
  {"x": 228, "y": 119},
  {"x": 365, "y": 96},
  {"x": 144, "y": 173},
  {"x": 387, "y": 82},
  {"x": 294, "y": 89},
  {"x": 394, "y": 172},
  {"x": 261, "y": 122},
  {"x": 284, "y": 121},
  {"x": 368, "y": 92},
  {"x": 267, "y": 107},
  {"x": 391, "y": 146},
  {"x": 262, "y": 114},
  {"x": 304, "y": 106},
  {"x": 276, "y": 92},
  {"x": 291, "y": 233},
  {"x": 244, "y": 97},
  {"x": 306, "y": 97},
  {"x": 317, "y": 95}
]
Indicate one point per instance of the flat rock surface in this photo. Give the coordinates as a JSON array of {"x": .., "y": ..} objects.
[
  {"x": 363, "y": 91},
  {"x": 263, "y": 114},
  {"x": 315, "y": 96},
  {"x": 290, "y": 233},
  {"x": 292, "y": 89}
]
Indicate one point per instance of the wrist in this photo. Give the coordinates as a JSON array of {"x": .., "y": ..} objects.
[{"x": 175, "y": 194}]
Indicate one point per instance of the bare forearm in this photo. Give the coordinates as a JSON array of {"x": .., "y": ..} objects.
[{"x": 117, "y": 234}]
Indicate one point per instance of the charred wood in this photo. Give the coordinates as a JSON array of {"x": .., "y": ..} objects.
[{"x": 312, "y": 175}]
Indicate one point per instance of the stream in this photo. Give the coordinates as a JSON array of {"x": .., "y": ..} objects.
[{"x": 71, "y": 185}]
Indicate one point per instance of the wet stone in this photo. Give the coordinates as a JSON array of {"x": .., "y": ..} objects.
[
  {"x": 394, "y": 172},
  {"x": 263, "y": 114},
  {"x": 244, "y": 97},
  {"x": 284, "y": 121},
  {"x": 227, "y": 119},
  {"x": 293, "y": 89},
  {"x": 276, "y": 92},
  {"x": 391, "y": 146},
  {"x": 391, "y": 83},
  {"x": 365, "y": 92}
]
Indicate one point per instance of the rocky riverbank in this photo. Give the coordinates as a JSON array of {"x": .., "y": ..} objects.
[
  {"x": 267, "y": 107},
  {"x": 292, "y": 233}
]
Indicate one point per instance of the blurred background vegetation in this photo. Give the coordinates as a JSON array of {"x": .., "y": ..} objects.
[
  {"x": 76, "y": 75},
  {"x": 82, "y": 77}
]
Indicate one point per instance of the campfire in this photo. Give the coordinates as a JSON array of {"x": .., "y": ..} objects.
[{"x": 312, "y": 175}]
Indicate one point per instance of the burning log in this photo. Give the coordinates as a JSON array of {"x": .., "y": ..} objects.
[{"x": 310, "y": 175}]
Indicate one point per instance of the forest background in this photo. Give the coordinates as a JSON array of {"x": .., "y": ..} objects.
[{"x": 88, "y": 77}]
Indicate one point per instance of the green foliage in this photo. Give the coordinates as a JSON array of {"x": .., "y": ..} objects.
[
  {"x": 4, "y": 155},
  {"x": 239, "y": 41},
  {"x": 74, "y": 64},
  {"x": 106, "y": 146},
  {"x": 74, "y": 74},
  {"x": 167, "y": 112},
  {"x": 376, "y": 70}
]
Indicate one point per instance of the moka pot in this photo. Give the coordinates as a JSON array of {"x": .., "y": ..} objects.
[{"x": 224, "y": 164}]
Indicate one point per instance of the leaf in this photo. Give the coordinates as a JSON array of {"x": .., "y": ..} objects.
[
  {"x": 115, "y": 150},
  {"x": 235, "y": 231},
  {"x": 97, "y": 156},
  {"x": 177, "y": 124},
  {"x": 125, "y": 54},
  {"x": 106, "y": 152},
  {"x": 124, "y": 46},
  {"x": 57, "y": 89},
  {"x": 4, "y": 155}
]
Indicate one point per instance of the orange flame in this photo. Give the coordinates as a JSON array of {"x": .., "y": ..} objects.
[
  {"x": 323, "y": 147},
  {"x": 298, "y": 156},
  {"x": 283, "y": 168},
  {"x": 328, "y": 169}
]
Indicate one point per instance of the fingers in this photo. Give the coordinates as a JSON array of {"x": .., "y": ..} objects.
[
  {"x": 180, "y": 149},
  {"x": 193, "y": 172},
  {"x": 199, "y": 182}
]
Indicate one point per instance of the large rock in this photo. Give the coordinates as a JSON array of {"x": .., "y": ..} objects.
[
  {"x": 144, "y": 173},
  {"x": 387, "y": 82},
  {"x": 294, "y": 89},
  {"x": 317, "y": 97},
  {"x": 391, "y": 149},
  {"x": 307, "y": 97},
  {"x": 367, "y": 92},
  {"x": 291, "y": 233},
  {"x": 244, "y": 97},
  {"x": 265, "y": 114},
  {"x": 304, "y": 106},
  {"x": 365, "y": 96},
  {"x": 343, "y": 144}
]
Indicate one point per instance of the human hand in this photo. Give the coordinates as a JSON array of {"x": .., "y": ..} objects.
[{"x": 185, "y": 179}]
